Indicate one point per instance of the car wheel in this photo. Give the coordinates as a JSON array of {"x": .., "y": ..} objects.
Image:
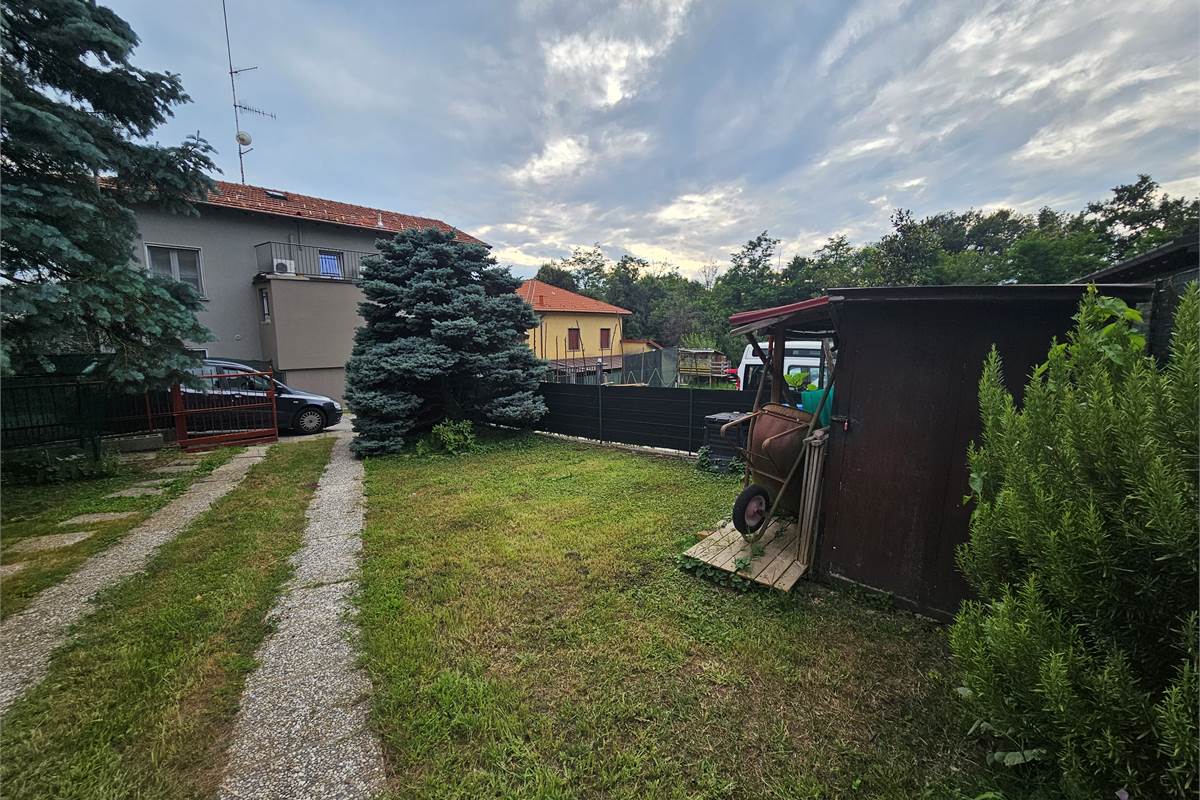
[
  {"x": 750, "y": 510},
  {"x": 309, "y": 420}
]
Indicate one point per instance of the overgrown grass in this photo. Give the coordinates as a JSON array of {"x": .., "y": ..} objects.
[
  {"x": 142, "y": 699},
  {"x": 34, "y": 510},
  {"x": 529, "y": 635}
]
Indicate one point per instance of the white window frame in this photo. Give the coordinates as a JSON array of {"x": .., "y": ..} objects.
[{"x": 175, "y": 262}]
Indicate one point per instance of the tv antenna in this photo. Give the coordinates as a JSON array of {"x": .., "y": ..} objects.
[{"x": 242, "y": 138}]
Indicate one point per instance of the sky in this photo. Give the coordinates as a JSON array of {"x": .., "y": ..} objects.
[{"x": 676, "y": 130}]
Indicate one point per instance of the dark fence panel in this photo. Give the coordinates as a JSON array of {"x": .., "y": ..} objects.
[
  {"x": 45, "y": 410},
  {"x": 642, "y": 415}
]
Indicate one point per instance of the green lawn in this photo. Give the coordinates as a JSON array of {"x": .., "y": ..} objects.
[
  {"x": 33, "y": 510},
  {"x": 529, "y": 635},
  {"x": 141, "y": 701}
]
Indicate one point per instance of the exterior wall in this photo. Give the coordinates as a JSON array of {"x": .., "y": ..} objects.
[
  {"x": 553, "y": 330},
  {"x": 226, "y": 239},
  {"x": 311, "y": 329}
]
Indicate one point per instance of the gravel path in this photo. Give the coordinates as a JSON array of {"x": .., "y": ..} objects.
[
  {"x": 302, "y": 729},
  {"x": 27, "y": 639}
]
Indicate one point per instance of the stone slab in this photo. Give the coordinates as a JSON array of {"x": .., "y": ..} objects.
[
  {"x": 155, "y": 482},
  {"x": 174, "y": 469},
  {"x": 50, "y": 541},
  {"x": 11, "y": 569}
]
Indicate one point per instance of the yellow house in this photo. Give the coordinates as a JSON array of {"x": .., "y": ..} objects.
[{"x": 577, "y": 330}]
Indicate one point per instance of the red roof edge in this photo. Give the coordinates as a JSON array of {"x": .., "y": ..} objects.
[{"x": 746, "y": 317}]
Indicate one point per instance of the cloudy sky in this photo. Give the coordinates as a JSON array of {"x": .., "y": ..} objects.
[{"x": 676, "y": 130}]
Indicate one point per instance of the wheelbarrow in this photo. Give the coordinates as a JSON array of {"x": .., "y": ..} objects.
[{"x": 773, "y": 455}]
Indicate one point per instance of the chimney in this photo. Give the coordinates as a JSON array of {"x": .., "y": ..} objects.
[
  {"x": 378, "y": 219},
  {"x": 541, "y": 301}
]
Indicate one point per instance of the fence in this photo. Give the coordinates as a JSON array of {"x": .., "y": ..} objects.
[
  {"x": 643, "y": 415},
  {"x": 46, "y": 409}
]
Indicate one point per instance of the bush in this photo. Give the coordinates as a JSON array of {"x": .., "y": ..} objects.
[
  {"x": 454, "y": 437},
  {"x": 56, "y": 465},
  {"x": 1079, "y": 657}
]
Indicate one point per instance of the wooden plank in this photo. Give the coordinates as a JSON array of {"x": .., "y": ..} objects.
[
  {"x": 773, "y": 550},
  {"x": 704, "y": 550},
  {"x": 725, "y": 559},
  {"x": 792, "y": 574},
  {"x": 779, "y": 565}
]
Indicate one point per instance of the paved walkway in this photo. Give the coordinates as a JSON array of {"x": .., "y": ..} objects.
[
  {"x": 27, "y": 639},
  {"x": 302, "y": 729}
]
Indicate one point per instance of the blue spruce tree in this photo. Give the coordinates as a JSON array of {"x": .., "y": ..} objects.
[{"x": 444, "y": 338}]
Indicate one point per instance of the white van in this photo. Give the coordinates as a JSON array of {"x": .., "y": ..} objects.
[{"x": 802, "y": 356}]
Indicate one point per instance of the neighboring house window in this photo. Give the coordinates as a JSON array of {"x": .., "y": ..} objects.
[
  {"x": 331, "y": 264},
  {"x": 605, "y": 338},
  {"x": 264, "y": 301},
  {"x": 178, "y": 263},
  {"x": 572, "y": 338}
]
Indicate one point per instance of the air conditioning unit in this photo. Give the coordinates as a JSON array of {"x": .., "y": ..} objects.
[{"x": 285, "y": 266}]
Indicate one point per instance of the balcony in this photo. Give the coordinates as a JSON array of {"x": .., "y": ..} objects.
[{"x": 282, "y": 258}]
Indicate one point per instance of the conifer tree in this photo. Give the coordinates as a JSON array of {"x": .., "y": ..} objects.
[
  {"x": 1079, "y": 658},
  {"x": 444, "y": 337},
  {"x": 75, "y": 110}
]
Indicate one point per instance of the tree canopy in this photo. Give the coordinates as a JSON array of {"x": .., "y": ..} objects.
[
  {"x": 76, "y": 116},
  {"x": 443, "y": 337},
  {"x": 969, "y": 247}
]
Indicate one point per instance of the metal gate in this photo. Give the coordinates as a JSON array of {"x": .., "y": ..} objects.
[{"x": 225, "y": 409}]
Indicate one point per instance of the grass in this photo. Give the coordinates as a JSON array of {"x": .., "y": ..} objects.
[
  {"x": 34, "y": 510},
  {"x": 529, "y": 635},
  {"x": 141, "y": 701}
]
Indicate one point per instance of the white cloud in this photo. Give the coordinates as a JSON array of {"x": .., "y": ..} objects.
[
  {"x": 560, "y": 158},
  {"x": 867, "y": 16},
  {"x": 718, "y": 207}
]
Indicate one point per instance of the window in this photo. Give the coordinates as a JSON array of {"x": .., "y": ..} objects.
[
  {"x": 264, "y": 303},
  {"x": 605, "y": 338},
  {"x": 331, "y": 264},
  {"x": 178, "y": 263},
  {"x": 572, "y": 338}
]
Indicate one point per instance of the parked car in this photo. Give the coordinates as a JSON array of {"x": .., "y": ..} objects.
[{"x": 243, "y": 391}]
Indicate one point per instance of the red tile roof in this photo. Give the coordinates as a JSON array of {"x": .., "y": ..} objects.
[
  {"x": 290, "y": 204},
  {"x": 544, "y": 297}
]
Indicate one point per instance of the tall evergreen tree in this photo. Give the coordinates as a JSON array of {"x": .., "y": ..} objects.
[
  {"x": 444, "y": 336},
  {"x": 77, "y": 110}
]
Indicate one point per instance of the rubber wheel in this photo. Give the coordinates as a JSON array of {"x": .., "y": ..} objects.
[
  {"x": 309, "y": 420},
  {"x": 750, "y": 509}
]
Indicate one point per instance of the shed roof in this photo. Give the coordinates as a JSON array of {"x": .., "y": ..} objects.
[
  {"x": 819, "y": 313},
  {"x": 545, "y": 297},
  {"x": 1174, "y": 256}
]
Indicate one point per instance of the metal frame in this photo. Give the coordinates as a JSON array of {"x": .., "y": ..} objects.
[
  {"x": 189, "y": 440},
  {"x": 199, "y": 260}
]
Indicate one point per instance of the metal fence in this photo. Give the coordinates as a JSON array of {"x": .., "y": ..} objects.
[
  {"x": 44, "y": 410},
  {"x": 644, "y": 415},
  {"x": 284, "y": 258}
]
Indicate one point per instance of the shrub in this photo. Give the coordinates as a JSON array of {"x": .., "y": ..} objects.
[
  {"x": 56, "y": 465},
  {"x": 1079, "y": 656},
  {"x": 454, "y": 437}
]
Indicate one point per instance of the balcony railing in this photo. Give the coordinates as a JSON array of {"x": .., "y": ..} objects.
[{"x": 283, "y": 258}]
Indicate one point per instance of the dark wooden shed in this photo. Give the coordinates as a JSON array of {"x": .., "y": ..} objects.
[{"x": 905, "y": 409}]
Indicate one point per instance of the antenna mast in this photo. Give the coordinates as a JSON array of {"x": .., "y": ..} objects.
[{"x": 241, "y": 137}]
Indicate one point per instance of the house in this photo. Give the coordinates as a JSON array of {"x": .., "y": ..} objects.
[
  {"x": 575, "y": 331},
  {"x": 276, "y": 271}
]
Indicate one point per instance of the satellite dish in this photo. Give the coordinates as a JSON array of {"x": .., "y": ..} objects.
[{"x": 243, "y": 138}]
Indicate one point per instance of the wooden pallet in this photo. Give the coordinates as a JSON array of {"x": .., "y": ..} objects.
[{"x": 777, "y": 567}]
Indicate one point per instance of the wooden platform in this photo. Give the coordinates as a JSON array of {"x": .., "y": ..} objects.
[{"x": 777, "y": 567}]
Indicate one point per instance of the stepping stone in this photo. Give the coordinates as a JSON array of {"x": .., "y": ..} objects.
[
  {"x": 174, "y": 469},
  {"x": 9, "y": 569},
  {"x": 127, "y": 457},
  {"x": 155, "y": 482},
  {"x": 50, "y": 541},
  {"x": 103, "y": 516},
  {"x": 136, "y": 491}
]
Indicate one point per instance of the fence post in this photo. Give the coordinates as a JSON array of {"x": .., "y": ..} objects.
[
  {"x": 691, "y": 392},
  {"x": 600, "y": 409},
  {"x": 180, "y": 418}
]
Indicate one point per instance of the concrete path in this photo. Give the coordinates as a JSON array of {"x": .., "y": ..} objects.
[
  {"x": 302, "y": 729},
  {"x": 27, "y": 639}
]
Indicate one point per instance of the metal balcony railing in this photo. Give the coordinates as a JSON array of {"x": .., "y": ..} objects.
[{"x": 283, "y": 258}]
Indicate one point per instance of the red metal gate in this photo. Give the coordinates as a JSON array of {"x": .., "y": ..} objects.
[{"x": 227, "y": 408}]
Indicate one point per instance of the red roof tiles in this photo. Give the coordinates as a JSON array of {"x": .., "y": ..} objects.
[
  {"x": 290, "y": 204},
  {"x": 544, "y": 297}
]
